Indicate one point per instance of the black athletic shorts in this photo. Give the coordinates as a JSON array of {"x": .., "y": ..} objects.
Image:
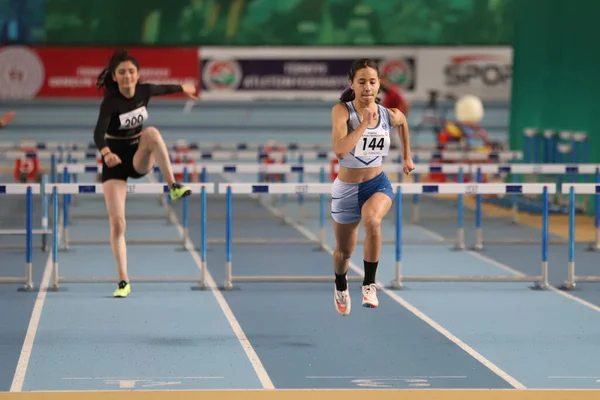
[{"x": 125, "y": 149}]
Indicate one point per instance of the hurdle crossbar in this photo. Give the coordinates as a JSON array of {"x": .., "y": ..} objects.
[
  {"x": 49, "y": 154},
  {"x": 182, "y": 145},
  {"x": 229, "y": 189},
  {"x": 27, "y": 190},
  {"x": 572, "y": 189},
  {"x": 211, "y": 168},
  {"x": 535, "y": 169},
  {"x": 201, "y": 189},
  {"x": 172, "y": 145},
  {"x": 327, "y": 155},
  {"x": 257, "y": 155},
  {"x": 389, "y": 166}
]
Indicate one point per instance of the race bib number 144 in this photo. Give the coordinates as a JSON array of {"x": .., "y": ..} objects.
[{"x": 373, "y": 145}]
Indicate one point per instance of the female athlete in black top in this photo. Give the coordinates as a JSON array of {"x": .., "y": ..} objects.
[{"x": 128, "y": 149}]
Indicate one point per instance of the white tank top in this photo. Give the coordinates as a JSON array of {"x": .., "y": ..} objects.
[{"x": 374, "y": 143}]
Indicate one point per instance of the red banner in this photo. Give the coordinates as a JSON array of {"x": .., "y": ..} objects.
[{"x": 29, "y": 72}]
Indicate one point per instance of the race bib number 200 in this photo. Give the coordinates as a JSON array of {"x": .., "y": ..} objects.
[
  {"x": 133, "y": 118},
  {"x": 373, "y": 145}
]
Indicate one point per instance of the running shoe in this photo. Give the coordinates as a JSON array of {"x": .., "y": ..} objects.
[
  {"x": 369, "y": 293},
  {"x": 123, "y": 289},
  {"x": 342, "y": 301},
  {"x": 179, "y": 191}
]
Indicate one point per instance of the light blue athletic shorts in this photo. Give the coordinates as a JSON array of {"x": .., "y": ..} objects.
[{"x": 347, "y": 199}]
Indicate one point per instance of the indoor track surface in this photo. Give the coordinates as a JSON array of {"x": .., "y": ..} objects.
[{"x": 177, "y": 337}]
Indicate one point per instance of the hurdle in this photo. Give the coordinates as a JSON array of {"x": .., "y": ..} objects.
[
  {"x": 44, "y": 231},
  {"x": 28, "y": 191},
  {"x": 540, "y": 281},
  {"x": 526, "y": 169},
  {"x": 564, "y": 171},
  {"x": 515, "y": 169},
  {"x": 572, "y": 189},
  {"x": 201, "y": 189},
  {"x": 229, "y": 189},
  {"x": 67, "y": 241},
  {"x": 70, "y": 170}
]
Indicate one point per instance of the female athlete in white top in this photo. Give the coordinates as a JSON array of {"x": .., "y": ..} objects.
[{"x": 361, "y": 131}]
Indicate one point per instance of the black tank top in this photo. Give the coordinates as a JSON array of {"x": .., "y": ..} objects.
[{"x": 123, "y": 117}]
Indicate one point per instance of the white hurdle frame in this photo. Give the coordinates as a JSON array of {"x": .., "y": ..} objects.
[
  {"x": 28, "y": 190},
  {"x": 540, "y": 281},
  {"x": 55, "y": 189},
  {"x": 69, "y": 169},
  {"x": 322, "y": 189},
  {"x": 572, "y": 189},
  {"x": 517, "y": 169}
]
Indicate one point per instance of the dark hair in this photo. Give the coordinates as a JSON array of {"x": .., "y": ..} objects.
[
  {"x": 348, "y": 93},
  {"x": 105, "y": 81}
]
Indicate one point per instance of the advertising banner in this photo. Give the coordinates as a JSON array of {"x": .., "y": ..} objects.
[
  {"x": 294, "y": 73},
  {"x": 287, "y": 73},
  {"x": 30, "y": 72}
]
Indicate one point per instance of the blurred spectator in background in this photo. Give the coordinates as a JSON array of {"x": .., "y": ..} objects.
[{"x": 393, "y": 98}]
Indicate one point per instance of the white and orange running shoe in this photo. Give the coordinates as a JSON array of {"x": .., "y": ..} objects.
[
  {"x": 342, "y": 301},
  {"x": 369, "y": 293}
]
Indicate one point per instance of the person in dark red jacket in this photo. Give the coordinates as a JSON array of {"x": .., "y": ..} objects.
[{"x": 393, "y": 98}]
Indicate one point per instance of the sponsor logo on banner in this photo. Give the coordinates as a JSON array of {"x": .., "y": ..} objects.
[
  {"x": 289, "y": 73},
  {"x": 484, "y": 69},
  {"x": 483, "y": 72},
  {"x": 28, "y": 72},
  {"x": 21, "y": 73},
  {"x": 400, "y": 72},
  {"x": 221, "y": 75}
]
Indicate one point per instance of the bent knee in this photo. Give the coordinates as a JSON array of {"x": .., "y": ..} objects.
[
  {"x": 117, "y": 226},
  {"x": 152, "y": 134},
  {"x": 371, "y": 223}
]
